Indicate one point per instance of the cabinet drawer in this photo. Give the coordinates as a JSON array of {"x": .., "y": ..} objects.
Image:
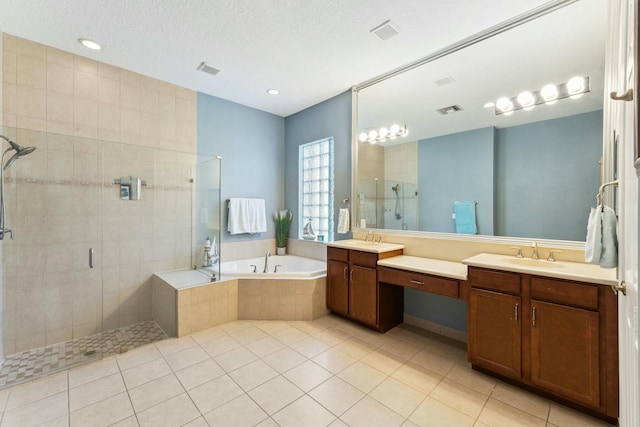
[
  {"x": 337, "y": 254},
  {"x": 423, "y": 282},
  {"x": 364, "y": 259},
  {"x": 495, "y": 280},
  {"x": 564, "y": 292}
]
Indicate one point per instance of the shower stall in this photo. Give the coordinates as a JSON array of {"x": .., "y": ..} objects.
[
  {"x": 388, "y": 204},
  {"x": 85, "y": 224}
]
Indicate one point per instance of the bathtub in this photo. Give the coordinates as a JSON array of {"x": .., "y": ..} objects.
[
  {"x": 289, "y": 267},
  {"x": 186, "y": 301}
]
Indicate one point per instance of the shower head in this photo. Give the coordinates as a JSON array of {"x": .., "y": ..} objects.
[
  {"x": 396, "y": 188},
  {"x": 20, "y": 151}
]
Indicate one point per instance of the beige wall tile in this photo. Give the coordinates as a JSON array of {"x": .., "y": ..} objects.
[
  {"x": 29, "y": 48},
  {"x": 9, "y": 67},
  {"x": 108, "y": 91},
  {"x": 130, "y": 96},
  {"x": 108, "y": 71},
  {"x": 60, "y": 108},
  {"x": 80, "y": 63},
  {"x": 31, "y": 103},
  {"x": 85, "y": 85},
  {"x": 31, "y": 72},
  {"x": 59, "y": 57},
  {"x": 59, "y": 79}
]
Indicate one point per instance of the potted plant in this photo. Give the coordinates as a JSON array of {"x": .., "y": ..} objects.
[{"x": 283, "y": 224}]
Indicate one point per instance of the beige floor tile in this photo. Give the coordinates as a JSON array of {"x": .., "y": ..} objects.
[
  {"x": 334, "y": 360},
  {"x": 433, "y": 413},
  {"x": 198, "y": 422},
  {"x": 275, "y": 394},
  {"x": 362, "y": 376},
  {"x": 237, "y": 325},
  {"x": 221, "y": 345},
  {"x": 204, "y": 336},
  {"x": 174, "y": 412},
  {"x": 496, "y": 413},
  {"x": 145, "y": 372},
  {"x": 242, "y": 411},
  {"x": 155, "y": 392},
  {"x": 36, "y": 390},
  {"x": 138, "y": 356},
  {"x": 103, "y": 413},
  {"x": 409, "y": 423},
  {"x": 37, "y": 412},
  {"x": 252, "y": 375},
  {"x": 562, "y": 416},
  {"x": 307, "y": 375},
  {"x": 273, "y": 327},
  {"x": 307, "y": 327},
  {"x": 369, "y": 412},
  {"x": 265, "y": 346},
  {"x": 127, "y": 422},
  {"x": 285, "y": 359},
  {"x": 267, "y": 423},
  {"x": 459, "y": 397},
  {"x": 310, "y": 347},
  {"x": 403, "y": 350},
  {"x": 434, "y": 361},
  {"x": 332, "y": 337},
  {"x": 397, "y": 396},
  {"x": 95, "y": 391},
  {"x": 290, "y": 336},
  {"x": 523, "y": 400},
  {"x": 383, "y": 361},
  {"x": 62, "y": 421},
  {"x": 463, "y": 374},
  {"x": 234, "y": 359},
  {"x": 92, "y": 371},
  {"x": 338, "y": 423},
  {"x": 372, "y": 337},
  {"x": 174, "y": 345},
  {"x": 336, "y": 395},
  {"x": 355, "y": 348},
  {"x": 215, "y": 393},
  {"x": 186, "y": 357},
  {"x": 417, "y": 377},
  {"x": 200, "y": 373},
  {"x": 249, "y": 335},
  {"x": 4, "y": 396},
  {"x": 303, "y": 412}
]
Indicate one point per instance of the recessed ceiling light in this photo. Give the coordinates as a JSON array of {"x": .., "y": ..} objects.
[
  {"x": 89, "y": 44},
  {"x": 273, "y": 91},
  {"x": 489, "y": 105}
]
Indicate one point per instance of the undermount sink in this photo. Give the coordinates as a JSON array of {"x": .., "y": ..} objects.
[{"x": 533, "y": 262}]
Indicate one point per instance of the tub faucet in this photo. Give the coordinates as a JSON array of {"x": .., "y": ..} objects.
[
  {"x": 534, "y": 252},
  {"x": 266, "y": 262}
]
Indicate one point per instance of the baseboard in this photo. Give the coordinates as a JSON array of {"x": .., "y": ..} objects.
[{"x": 435, "y": 328}]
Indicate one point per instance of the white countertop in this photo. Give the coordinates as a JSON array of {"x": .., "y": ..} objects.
[
  {"x": 436, "y": 267},
  {"x": 560, "y": 269},
  {"x": 361, "y": 245}
]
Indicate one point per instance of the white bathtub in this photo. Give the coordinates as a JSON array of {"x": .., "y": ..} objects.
[{"x": 289, "y": 267}]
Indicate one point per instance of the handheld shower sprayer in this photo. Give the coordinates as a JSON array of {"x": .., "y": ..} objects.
[{"x": 20, "y": 151}]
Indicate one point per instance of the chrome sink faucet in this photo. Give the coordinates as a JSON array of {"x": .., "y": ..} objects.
[
  {"x": 369, "y": 234},
  {"x": 266, "y": 262},
  {"x": 534, "y": 251}
]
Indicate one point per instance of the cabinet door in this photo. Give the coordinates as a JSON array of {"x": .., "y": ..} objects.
[
  {"x": 565, "y": 352},
  {"x": 338, "y": 287},
  {"x": 494, "y": 332},
  {"x": 363, "y": 295}
]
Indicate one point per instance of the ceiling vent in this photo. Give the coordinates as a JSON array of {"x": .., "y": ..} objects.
[
  {"x": 204, "y": 67},
  {"x": 449, "y": 110},
  {"x": 445, "y": 81},
  {"x": 386, "y": 30}
]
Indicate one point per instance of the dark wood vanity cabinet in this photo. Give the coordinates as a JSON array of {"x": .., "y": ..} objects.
[
  {"x": 557, "y": 337},
  {"x": 353, "y": 290}
]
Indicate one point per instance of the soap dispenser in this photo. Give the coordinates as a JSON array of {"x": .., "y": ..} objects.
[
  {"x": 308, "y": 233},
  {"x": 206, "y": 257}
]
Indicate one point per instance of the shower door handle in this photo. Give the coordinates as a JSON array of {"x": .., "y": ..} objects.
[{"x": 90, "y": 257}]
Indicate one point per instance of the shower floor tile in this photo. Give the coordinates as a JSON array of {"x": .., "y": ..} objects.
[{"x": 39, "y": 362}]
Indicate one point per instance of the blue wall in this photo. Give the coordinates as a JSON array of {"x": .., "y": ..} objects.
[
  {"x": 527, "y": 164},
  {"x": 331, "y": 118},
  {"x": 452, "y": 168},
  {"x": 450, "y": 312},
  {"x": 251, "y": 143}
]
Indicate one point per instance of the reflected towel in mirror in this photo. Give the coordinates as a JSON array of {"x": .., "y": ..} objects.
[{"x": 465, "y": 217}]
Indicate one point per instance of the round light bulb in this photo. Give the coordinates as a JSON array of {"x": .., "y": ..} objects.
[
  {"x": 394, "y": 130},
  {"x": 504, "y": 104},
  {"x": 575, "y": 85},
  {"x": 372, "y": 135},
  {"x": 383, "y": 132},
  {"x": 549, "y": 93},
  {"x": 362, "y": 137},
  {"x": 526, "y": 99}
]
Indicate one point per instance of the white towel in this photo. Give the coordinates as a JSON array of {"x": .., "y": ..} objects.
[
  {"x": 609, "y": 256},
  {"x": 593, "y": 247},
  {"x": 343, "y": 221},
  {"x": 247, "y": 216}
]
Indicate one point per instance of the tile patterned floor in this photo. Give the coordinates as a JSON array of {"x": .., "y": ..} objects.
[
  {"x": 328, "y": 372},
  {"x": 29, "y": 365}
]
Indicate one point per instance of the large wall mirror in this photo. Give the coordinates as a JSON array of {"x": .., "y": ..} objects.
[{"x": 533, "y": 173}]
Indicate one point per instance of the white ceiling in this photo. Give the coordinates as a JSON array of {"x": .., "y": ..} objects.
[{"x": 310, "y": 50}]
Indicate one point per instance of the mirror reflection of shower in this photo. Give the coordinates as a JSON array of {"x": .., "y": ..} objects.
[
  {"x": 397, "y": 212},
  {"x": 19, "y": 152}
]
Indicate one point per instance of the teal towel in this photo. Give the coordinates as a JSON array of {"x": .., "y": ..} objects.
[{"x": 465, "y": 220}]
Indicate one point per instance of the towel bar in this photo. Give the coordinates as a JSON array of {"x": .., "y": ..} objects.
[{"x": 600, "y": 196}]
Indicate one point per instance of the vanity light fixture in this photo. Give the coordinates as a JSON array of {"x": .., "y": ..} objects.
[
  {"x": 549, "y": 95},
  {"x": 373, "y": 136},
  {"x": 89, "y": 44}
]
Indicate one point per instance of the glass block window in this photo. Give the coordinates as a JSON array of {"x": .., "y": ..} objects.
[{"x": 316, "y": 187}]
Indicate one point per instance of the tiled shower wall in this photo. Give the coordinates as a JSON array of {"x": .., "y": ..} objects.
[{"x": 61, "y": 199}]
